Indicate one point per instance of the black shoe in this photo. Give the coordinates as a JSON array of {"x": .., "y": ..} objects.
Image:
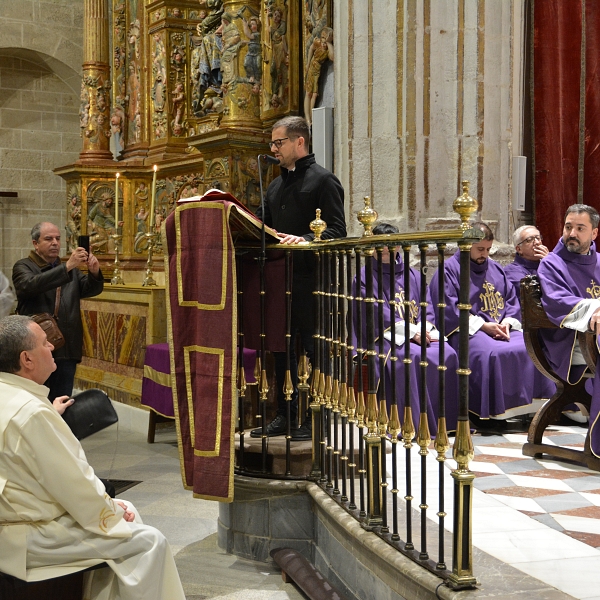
[
  {"x": 304, "y": 432},
  {"x": 278, "y": 426}
]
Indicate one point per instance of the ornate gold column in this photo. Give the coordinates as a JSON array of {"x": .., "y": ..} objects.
[
  {"x": 94, "y": 111},
  {"x": 241, "y": 63}
]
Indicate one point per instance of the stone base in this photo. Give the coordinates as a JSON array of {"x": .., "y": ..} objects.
[{"x": 267, "y": 514}]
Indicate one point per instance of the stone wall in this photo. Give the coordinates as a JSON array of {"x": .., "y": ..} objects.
[
  {"x": 40, "y": 65},
  {"x": 429, "y": 94}
]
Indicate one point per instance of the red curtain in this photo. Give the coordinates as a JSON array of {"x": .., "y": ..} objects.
[{"x": 566, "y": 114}]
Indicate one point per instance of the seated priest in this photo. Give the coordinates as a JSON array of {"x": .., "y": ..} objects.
[
  {"x": 570, "y": 278},
  {"x": 529, "y": 251},
  {"x": 55, "y": 517},
  {"x": 394, "y": 323},
  {"x": 497, "y": 350}
]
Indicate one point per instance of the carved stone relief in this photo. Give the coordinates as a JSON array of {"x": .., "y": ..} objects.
[
  {"x": 277, "y": 58},
  {"x": 101, "y": 217},
  {"x": 73, "y": 226},
  {"x": 159, "y": 86}
]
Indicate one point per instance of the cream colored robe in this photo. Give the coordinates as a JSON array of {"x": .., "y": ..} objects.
[{"x": 55, "y": 517}]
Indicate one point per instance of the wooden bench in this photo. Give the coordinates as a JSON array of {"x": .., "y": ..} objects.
[
  {"x": 67, "y": 587},
  {"x": 535, "y": 318}
]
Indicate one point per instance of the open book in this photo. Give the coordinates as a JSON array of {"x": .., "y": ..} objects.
[{"x": 244, "y": 224}]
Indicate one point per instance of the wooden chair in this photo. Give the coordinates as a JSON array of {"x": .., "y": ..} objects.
[
  {"x": 534, "y": 319},
  {"x": 67, "y": 587}
]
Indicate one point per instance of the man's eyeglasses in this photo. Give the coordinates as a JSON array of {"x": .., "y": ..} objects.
[
  {"x": 277, "y": 143},
  {"x": 531, "y": 239}
]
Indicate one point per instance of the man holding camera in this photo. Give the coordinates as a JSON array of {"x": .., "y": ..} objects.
[{"x": 42, "y": 282}]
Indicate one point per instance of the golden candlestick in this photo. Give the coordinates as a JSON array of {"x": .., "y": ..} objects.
[
  {"x": 116, "y": 278},
  {"x": 149, "y": 279},
  {"x": 465, "y": 206},
  {"x": 318, "y": 226},
  {"x": 367, "y": 216}
]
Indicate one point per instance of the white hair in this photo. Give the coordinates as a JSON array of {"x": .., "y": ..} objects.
[{"x": 518, "y": 232}]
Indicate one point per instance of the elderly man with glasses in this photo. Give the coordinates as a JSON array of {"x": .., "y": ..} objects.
[
  {"x": 290, "y": 205},
  {"x": 530, "y": 250}
]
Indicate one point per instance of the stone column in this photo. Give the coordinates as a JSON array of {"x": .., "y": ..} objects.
[{"x": 94, "y": 111}]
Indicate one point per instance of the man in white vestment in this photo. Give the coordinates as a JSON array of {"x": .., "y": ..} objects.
[{"x": 55, "y": 517}]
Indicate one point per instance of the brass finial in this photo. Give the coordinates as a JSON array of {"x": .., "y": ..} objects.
[
  {"x": 367, "y": 216},
  {"x": 465, "y": 206},
  {"x": 318, "y": 226}
]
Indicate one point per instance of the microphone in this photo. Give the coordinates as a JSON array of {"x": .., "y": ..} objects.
[{"x": 268, "y": 158}]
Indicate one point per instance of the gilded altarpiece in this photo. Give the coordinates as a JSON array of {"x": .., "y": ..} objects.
[{"x": 194, "y": 88}]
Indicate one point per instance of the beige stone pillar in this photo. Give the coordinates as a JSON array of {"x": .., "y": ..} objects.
[{"x": 94, "y": 111}]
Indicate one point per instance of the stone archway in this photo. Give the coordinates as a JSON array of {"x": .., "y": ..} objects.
[{"x": 39, "y": 131}]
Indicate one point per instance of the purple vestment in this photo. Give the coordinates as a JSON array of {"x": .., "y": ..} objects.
[
  {"x": 392, "y": 317},
  {"x": 567, "y": 278},
  {"x": 519, "y": 268},
  {"x": 494, "y": 387}
]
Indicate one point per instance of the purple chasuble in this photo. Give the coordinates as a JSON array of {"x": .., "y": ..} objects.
[
  {"x": 567, "y": 278},
  {"x": 518, "y": 269},
  {"x": 391, "y": 317},
  {"x": 493, "y": 388}
]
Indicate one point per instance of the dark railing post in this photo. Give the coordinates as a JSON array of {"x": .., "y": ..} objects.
[
  {"x": 351, "y": 370},
  {"x": 463, "y": 452},
  {"x": 441, "y": 440},
  {"x": 360, "y": 395},
  {"x": 241, "y": 375},
  {"x": 315, "y": 405},
  {"x": 394, "y": 424},
  {"x": 288, "y": 386},
  {"x": 372, "y": 439},
  {"x": 408, "y": 427},
  {"x": 423, "y": 436},
  {"x": 382, "y": 417}
]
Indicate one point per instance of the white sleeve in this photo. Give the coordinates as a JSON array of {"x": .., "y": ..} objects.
[
  {"x": 579, "y": 317},
  {"x": 475, "y": 324},
  {"x": 514, "y": 323}
]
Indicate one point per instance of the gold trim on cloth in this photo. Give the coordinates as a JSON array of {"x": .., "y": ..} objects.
[
  {"x": 157, "y": 376},
  {"x": 220, "y": 352},
  {"x": 224, "y": 257}
]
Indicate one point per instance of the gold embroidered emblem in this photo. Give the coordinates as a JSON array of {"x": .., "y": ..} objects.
[
  {"x": 593, "y": 290},
  {"x": 414, "y": 309},
  {"x": 105, "y": 516},
  {"x": 493, "y": 302}
]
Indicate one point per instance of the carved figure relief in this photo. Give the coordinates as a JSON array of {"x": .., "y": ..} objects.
[
  {"x": 101, "y": 218},
  {"x": 320, "y": 52},
  {"x": 245, "y": 185},
  {"x": 141, "y": 213},
  {"x": 159, "y": 93},
  {"x": 206, "y": 56},
  {"x": 117, "y": 117},
  {"x": 253, "y": 58},
  {"x": 177, "y": 74},
  {"x": 73, "y": 226},
  {"x": 279, "y": 57},
  {"x": 93, "y": 112},
  {"x": 133, "y": 96}
]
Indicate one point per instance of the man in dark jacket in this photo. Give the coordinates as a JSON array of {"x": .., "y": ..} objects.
[
  {"x": 291, "y": 203},
  {"x": 36, "y": 280}
]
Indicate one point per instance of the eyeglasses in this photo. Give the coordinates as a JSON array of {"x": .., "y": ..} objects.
[
  {"x": 278, "y": 143},
  {"x": 531, "y": 239}
]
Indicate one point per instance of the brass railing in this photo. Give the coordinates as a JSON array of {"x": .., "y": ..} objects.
[{"x": 347, "y": 396}]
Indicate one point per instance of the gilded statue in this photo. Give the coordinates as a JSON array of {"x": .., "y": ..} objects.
[
  {"x": 320, "y": 51},
  {"x": 253, "y": 58},
  {"x": 280, "y": 57}
]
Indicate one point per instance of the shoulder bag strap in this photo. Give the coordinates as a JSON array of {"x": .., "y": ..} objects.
[{"x": 57, "y": 302}]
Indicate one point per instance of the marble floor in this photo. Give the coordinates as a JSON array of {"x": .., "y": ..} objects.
[{"x": 540, "y": 518}]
